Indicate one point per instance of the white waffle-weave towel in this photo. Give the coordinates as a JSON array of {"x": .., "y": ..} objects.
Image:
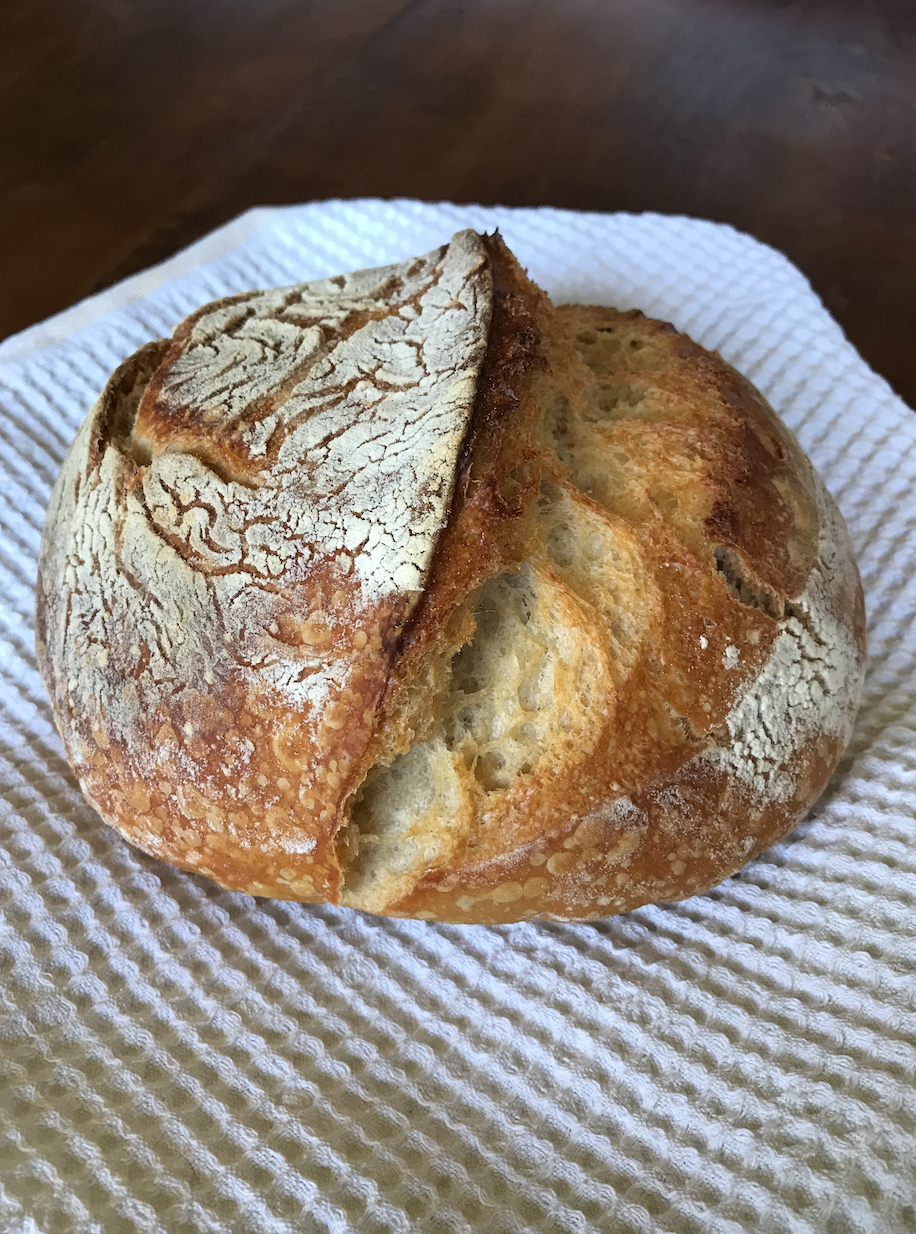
[{"x": 175, "y": 1058}]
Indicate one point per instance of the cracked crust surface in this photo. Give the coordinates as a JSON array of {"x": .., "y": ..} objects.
[
  {"x": 239, "y": 534},
  {"x": 409, "y": 591}
]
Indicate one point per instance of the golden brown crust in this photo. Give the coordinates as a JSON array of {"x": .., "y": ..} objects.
[
  {"x": 752, "y": 591},
  {"x": 686, "y": 613}
]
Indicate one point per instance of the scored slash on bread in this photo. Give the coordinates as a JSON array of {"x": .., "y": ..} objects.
[{"x": 409, "y": 591}]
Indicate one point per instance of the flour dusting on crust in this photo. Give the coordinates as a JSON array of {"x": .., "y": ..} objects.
[
  {"x": 243, "y": 525},
  {"x": 808, "y": 687}
]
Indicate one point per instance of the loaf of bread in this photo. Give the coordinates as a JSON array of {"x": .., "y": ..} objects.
[{"x": 408, "y": 591}]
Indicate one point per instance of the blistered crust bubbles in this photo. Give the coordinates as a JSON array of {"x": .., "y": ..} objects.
[{"x": 243, "y": 525}]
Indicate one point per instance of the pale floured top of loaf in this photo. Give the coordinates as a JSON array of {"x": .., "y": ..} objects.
[
  {"x": 337, "y": 407},
  {"x": 228, "y": 565}
]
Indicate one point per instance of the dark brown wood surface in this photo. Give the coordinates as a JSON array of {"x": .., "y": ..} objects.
[{"x": 130, "y": 127}]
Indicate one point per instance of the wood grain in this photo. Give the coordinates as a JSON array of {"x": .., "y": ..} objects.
[{"x": 130, "y": 127}]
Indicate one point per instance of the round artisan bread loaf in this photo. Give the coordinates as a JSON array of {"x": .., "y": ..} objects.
[{"x": 408, "y": 591}]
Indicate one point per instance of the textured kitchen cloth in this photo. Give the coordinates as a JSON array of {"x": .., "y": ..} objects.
[{"x": 176, "y": 1058}]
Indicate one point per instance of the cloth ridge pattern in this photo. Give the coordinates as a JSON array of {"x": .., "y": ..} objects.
[{"x": 179, "y": 1059}]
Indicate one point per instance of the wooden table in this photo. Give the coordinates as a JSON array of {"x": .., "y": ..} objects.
[{"x": 130, "y": 127}]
